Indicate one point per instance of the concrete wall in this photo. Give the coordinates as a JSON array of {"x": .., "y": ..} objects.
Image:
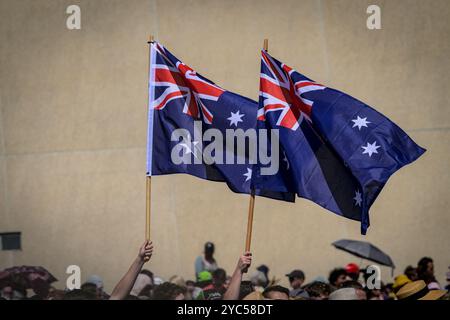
[{"x": 73, "y": 130}]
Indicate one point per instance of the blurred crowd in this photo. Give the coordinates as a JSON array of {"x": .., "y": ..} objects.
[{"x": 350, "y": 282}]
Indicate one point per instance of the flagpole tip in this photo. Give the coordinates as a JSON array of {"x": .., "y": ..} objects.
[
  {"x": 150, "y": 39},
  {"x": 266, "y": 45}
]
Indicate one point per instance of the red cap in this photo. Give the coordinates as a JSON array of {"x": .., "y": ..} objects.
[{"x": 352, "y": 268}]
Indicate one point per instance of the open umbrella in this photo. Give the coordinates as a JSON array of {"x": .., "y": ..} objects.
[
  {"x": 364, "y": 250},
  {"x": 27, "y": 277}
]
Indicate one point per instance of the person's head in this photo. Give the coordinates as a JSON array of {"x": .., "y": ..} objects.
[
  {"x": 264, "y": 269},
  {"x": 89, "y": 288},
  {"x": 143, "y": 280},
  {"x": 98, "y": 282},
  {"x": 374, "y": 294},
  {"x": 7, "y": 293},
  {"x": 178, "y": 280},
  {"x": 276, "y": 293},
  {"x": 219, "y": 277},
  {"x": 337, "y": 277},
  {"x": 149, "y": 274},
  {"x": 204, "y": 278},
  {"x": 352, "y": 270},
  {"x": 190, "y": 286},
  {"x": 245, "y": 289},
  {"x": 360, "y": 292},
  {"x": 344, "y": 294},
  {"x": 209, "y": 249},
  {"x": 168, "y": 291},
  {"x": 146, "y": 292},
  {"x": 318, "y": 290},
  {"x": 296, "y": 278},
  {"x": 352, "y": 284},
  {"x": 425, "y": 269},
  {"x": 55, "y": 294},
  {"x": 399, "y": 282},
  {"x": 411, "y": 273},
  {"x": 259, "y": 279}
]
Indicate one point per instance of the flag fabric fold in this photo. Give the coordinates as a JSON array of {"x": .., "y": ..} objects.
[
  {"x": 188, "y": 120},
  {"x": 337, "y": 151}
]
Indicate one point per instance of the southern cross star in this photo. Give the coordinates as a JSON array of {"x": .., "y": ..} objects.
[
  {"x": 235, "y": 118},
  {"x": 357, "y": 198},
  {"x": 360, "y": 122},
  {"x": 370, "y": 148}
]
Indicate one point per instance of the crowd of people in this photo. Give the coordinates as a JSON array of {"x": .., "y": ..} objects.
[{"x": 212, "y": 283}]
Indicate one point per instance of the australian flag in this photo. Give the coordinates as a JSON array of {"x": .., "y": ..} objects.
[
  {"x": 336, "y": 150},
  {"x": 188, "y": 118}
]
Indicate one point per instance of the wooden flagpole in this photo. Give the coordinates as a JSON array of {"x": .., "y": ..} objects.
[
  {"x": 147, "y": 207},
  {"x": 251, "y": 208},
  {"x": 251, "y": 205},
  {"x": 148, "y": 197}
]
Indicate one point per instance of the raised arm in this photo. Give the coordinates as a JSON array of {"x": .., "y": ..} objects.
[
  {"x": 243, "y": 264},
  {"x": 123, "y": 288}
]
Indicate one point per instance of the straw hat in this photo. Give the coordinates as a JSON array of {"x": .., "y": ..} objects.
[
  {"x": 418, "y": 290},
  {"x": 255, "y": 295}
]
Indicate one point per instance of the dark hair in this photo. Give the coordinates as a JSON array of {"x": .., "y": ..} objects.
[
  {"x": 264, "y": 269},
  {"x": 167, "y": 291},
  {"x": 148, "y": 273},
  {"x": 245, "y": 289},
  {"x": 422, "y": 267},
  {"x": 89, "y": 287},
  {"x": 79, "y": 294},
  {"x": 335, "y": 274},
  {"x": 146, "y": 291},
  {"x": 190, "y": 283},
  {"x": 410, "y": 272},
  {"x": 352, "y": 284},
  {"x": 219, "y": 276},
  {"x": 275, "y": 289},
  {"x": 318, "y": 288},
  {"x": 209, "y": 246}
]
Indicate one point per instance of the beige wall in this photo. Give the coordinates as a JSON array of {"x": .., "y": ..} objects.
[{"x": 73, "y": 130}]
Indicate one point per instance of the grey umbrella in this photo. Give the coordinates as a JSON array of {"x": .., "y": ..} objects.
[{"x": 364, "y": 250}]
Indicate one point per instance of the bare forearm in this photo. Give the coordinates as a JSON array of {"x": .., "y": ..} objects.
[
  {"x": 234, "y": 288},
  {"x": 123, "y": 288}
]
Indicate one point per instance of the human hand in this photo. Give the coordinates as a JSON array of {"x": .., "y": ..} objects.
[
  {"x": 244, "y": 262},
  {"x": 146, "y": 251}
]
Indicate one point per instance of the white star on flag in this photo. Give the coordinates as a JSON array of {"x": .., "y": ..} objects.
[
  {"x": 370, "y": 148},
  {"x": 190, "y": 145},
  {"x": 248, "y": 175},
  {"x": 357, "y": 198},
  {"x": 235, "y": 118},
  {"x": 360, "y": 122}
]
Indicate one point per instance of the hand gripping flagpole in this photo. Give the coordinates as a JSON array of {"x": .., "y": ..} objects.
[
  {"x": 148, "y": 196},
  {"x": 251, "y": 205}
]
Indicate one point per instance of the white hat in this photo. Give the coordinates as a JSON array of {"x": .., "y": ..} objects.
[
  {"x": 344, "y": 294},
  {"x": 95, "y": 280},
  {"x": 157, "y": 281}
]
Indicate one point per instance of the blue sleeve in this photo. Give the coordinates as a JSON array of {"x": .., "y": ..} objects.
[{"x": 198, "y": 266}]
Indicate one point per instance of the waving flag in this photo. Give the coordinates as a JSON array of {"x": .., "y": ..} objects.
[
  {"x": 338, "y": 151},
  {"x": 188, "y": 115}
]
